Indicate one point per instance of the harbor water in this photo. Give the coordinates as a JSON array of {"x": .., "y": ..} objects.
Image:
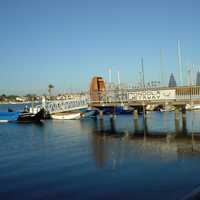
[{"x": 100, "y": 159}]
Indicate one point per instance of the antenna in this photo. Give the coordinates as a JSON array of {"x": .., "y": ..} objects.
[
  {"x": 118, "y": 78},
  {"x": 180, "y": 64},
  {"x": 142, "y": 66}
]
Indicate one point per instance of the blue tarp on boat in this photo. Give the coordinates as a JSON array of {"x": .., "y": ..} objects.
[{"x": 9, "y": 116}]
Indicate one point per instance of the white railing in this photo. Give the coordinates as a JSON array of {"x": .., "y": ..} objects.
[
  {"x": 151, "y": 95},
  {"x": 66, "y": 105}
]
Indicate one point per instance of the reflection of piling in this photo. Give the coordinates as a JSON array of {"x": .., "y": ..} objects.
[
  {"x": 112, "y": 116},
  {"x": 112, "y": 125},
  {"x": 101, "y": 125},
  {"x": 191, "y": 122},
  {"x": 112, "y": 112},
  {"x": 100, "y": 114}
]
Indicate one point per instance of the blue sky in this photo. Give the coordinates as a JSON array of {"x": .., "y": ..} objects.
[{"x": 66, "y": 42}]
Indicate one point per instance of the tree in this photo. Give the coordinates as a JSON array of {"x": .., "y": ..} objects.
[{"x": 50, "y": 87}]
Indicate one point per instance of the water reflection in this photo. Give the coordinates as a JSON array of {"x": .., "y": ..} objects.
[{"x": 111, "y": 146}]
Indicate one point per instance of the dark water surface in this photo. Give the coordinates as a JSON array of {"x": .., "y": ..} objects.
[{"x": 94, "y": 159}]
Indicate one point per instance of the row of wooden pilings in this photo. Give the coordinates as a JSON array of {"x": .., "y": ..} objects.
[{"x": 177, "y": 111}]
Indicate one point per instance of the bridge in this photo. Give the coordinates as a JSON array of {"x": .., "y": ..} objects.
[{"x": 65, "y": 105}]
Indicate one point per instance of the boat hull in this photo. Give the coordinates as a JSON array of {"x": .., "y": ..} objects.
[
  {"x": 66, "y": 116},
  {"x": 9, "y": 116},
  {"x": 30, "y": 117}
]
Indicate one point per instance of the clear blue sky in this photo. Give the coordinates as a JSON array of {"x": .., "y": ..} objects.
[{"x": 66, "y": 42}]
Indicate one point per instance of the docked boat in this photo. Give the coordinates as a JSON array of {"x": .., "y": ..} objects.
[
  {"x": 119, "y": 110},
  {"x": 30, "y": 117},
  {"x": 66, "y": 116},
  {"x": 21, "y": 117}
]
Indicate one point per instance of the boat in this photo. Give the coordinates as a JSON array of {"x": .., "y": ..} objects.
[
  {"x": 66, "y": 116},
  {"x": 30, "y": 117},
  {"x": 9, "y": 116},
  {"x": 119, "y": 110},
  {"x": 192, "y": 107},
  {"x": 21, "y": 117}
]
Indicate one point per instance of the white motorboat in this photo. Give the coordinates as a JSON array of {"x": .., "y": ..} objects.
[{"x": 66, "y": 116}]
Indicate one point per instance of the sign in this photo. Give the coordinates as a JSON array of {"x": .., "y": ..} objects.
[{"x": 152, "y": 95}]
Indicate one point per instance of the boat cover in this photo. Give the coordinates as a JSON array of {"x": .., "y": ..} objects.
[{"x": 9, "y": 116}]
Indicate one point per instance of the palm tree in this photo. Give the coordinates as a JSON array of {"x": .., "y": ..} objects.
[{"x": 50, "y": 87}]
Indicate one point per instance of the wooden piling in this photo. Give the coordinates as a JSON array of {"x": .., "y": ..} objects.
[
  {"x": 184, "y": 125},
  {"x": 144, "y": 120},
  {"x": 135, "y": 117},
  {"x": 176, "y": 120}
]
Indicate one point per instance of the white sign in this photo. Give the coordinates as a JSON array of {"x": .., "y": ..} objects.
[{"x": 151, "y": 95}]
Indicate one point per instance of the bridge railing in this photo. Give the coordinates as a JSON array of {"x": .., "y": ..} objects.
[
  {"x": 66, "y": 105},
  {"x": 145, "y": 94}
]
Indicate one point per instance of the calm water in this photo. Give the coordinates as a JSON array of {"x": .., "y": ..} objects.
[{"x": 94, "y": 159}]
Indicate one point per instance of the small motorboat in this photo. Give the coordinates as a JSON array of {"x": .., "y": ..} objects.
[
  {"x": 21, "y": 117},
  {"x": 66, "y": 116},
  {"x": 30, "y": 117}
]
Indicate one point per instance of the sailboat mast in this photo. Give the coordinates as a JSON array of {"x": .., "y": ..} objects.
[
  {"x": 162, "y": 67},
  {"x": 180, "y": 64},
  {"x": 142, "y": 66}
]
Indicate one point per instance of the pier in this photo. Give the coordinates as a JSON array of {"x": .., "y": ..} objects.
[
  {"x": 137, "y": 100},
  {"x": 177, "y": 100}
]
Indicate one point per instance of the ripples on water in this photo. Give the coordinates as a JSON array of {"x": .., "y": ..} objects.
[{"x": 94, "y": 159}]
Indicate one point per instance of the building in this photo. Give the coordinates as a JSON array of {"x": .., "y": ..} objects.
[{"x": 172, "y": 81}]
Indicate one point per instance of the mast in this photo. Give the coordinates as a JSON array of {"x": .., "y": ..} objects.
[
  {"x": 162, "y": 67},
  {"x": 110, "y": 74},
  {"x": 142, "y": 66},
  {"x": 180, "y": 64},
  {"x": 118, "y": 78}
]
